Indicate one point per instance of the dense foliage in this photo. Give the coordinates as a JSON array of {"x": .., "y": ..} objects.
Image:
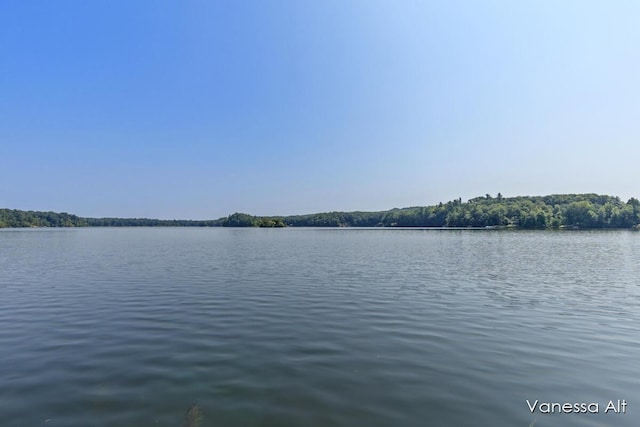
[
  {"x": 146, "y": 222},
  {"x": 558, "y": 210},
  {"x": 554, "y": 211},
  {"x": 244, "y": 220},
  {"x": 18, "y": 218}
]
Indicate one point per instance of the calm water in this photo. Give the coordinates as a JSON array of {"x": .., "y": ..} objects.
[{"x": 316, "y": 327}]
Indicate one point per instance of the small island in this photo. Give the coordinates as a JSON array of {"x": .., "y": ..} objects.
[{"x": 556, "y": 211}]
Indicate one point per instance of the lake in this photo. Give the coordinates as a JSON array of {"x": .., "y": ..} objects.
[{"x": 318, "y": 327}]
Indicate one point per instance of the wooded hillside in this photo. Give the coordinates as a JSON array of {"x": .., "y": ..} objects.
[{"x": 529, "y": 212}]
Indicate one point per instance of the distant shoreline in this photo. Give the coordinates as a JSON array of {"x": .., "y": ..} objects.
[
  {"x": 557, "y": 211},
  {"x": 348, "y": 228}
]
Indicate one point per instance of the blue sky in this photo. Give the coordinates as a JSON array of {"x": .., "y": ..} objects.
[{"x": 199, "y": 109}]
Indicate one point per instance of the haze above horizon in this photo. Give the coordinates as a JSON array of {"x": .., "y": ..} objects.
[{"x": 196, "y": 110}]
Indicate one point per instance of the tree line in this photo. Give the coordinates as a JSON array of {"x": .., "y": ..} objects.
[
  {"x": 19, "y": 218},
  {"x": 528, "y": 212}
]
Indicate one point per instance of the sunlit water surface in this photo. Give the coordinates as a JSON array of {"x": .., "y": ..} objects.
[{"x": 316, "y": 327}]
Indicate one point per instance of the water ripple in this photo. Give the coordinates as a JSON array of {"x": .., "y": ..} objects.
[{"x": 315, "y": 327}]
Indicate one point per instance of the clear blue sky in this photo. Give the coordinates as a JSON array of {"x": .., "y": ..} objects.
[{"x": 198, "y": 109}]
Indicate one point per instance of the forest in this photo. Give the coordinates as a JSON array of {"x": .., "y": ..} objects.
[
  {"x": 527, "y": 212},
  {"x": 17, "y": 218}
]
